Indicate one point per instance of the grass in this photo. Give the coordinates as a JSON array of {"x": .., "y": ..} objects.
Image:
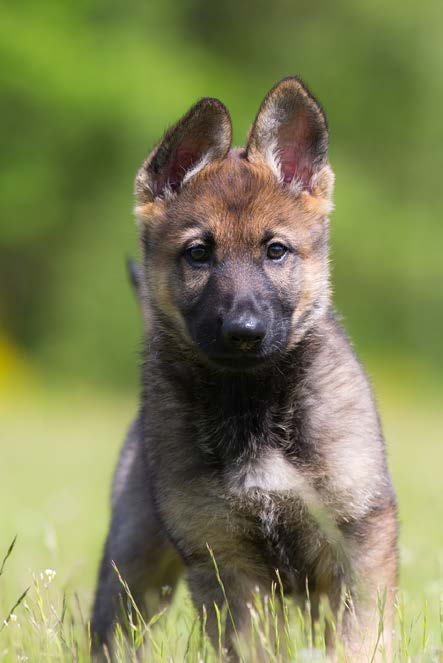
[{"x": 58, "y": 448}]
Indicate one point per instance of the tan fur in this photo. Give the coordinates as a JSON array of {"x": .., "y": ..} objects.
[{"x": 219, "y": 196}]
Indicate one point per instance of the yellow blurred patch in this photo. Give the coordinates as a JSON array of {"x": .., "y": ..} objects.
[{"x": 15, "y": 371}]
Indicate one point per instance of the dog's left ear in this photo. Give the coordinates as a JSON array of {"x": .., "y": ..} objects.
[
  {"x": 290, "y": 134},
  {"x": 203, "y": 135}
]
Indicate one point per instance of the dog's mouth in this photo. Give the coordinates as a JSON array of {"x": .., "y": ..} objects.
[
  {"x": 239, "y": 361},
  {"x": 241, "y": 354}
]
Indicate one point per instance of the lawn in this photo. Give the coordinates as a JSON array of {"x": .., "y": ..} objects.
[{"x": 58, "y": 449}]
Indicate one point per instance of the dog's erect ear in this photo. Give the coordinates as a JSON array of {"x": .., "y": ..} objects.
[
  {"x": 290, "y": 134},
  {"x": 203, "y": 135}
]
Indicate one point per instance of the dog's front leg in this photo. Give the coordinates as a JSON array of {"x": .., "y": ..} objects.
[
  {"x": 233, "y": 593},
  {"x": 365, "y": 613},
  {"x": 136, "y": 547}
]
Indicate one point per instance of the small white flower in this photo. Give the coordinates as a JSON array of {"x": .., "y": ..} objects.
[
  {"x": 12, "y": 617},
  {"x": 48, "y": 575}
]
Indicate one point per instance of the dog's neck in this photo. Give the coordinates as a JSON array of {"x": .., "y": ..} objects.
[{"x": 234, "y": 412}]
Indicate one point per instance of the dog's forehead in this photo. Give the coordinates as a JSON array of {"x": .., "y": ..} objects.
[{"x": 235, "y": 200}]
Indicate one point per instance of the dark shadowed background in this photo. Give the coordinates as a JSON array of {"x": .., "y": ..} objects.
[{"x": 87, "y": 88}]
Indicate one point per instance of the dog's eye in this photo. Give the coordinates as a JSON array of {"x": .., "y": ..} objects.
[
  {"x": 197, "y": 254},
  {"x": 276, "y": 251}
]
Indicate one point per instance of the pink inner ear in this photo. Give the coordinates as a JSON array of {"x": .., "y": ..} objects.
[
  {"x": 295, "y": 149},
  {"x": 182, "y": 161},
  {"x": 295, "y": 165}
]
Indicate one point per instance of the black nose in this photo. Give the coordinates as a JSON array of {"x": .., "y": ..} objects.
[{"x": 243, "y": 333}]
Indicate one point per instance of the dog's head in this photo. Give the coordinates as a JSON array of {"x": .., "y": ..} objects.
[{"x": 235, "y": 241}]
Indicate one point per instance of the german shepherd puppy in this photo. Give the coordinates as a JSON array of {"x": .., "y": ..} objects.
[{"x": 257, "y": 433}]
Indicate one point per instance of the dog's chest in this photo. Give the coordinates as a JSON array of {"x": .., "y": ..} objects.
[
  {"x": 271, "y": 498},
  {"x": 270, "y": 493},
  {"x": 268, "y": 473}
]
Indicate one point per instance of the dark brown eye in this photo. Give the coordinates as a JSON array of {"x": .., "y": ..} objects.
[
  {"x": 197, "y": 254},
  {"x": 276, "y": 251}
]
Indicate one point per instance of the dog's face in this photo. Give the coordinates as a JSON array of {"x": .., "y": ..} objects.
[{"x": 235, "y": 242}]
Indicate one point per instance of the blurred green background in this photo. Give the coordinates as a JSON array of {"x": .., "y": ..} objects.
[{"x": 87, "y": 88}]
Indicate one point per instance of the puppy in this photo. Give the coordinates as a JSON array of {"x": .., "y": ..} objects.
[{"x": 257, "y": 433}]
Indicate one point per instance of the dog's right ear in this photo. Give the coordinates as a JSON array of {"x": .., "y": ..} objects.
[
  {"x": 290, "y": 135},
  {"x": 203, "y": 135}
]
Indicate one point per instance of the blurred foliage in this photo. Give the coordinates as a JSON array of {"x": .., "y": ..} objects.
[{"x": 88, "y": 87}]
